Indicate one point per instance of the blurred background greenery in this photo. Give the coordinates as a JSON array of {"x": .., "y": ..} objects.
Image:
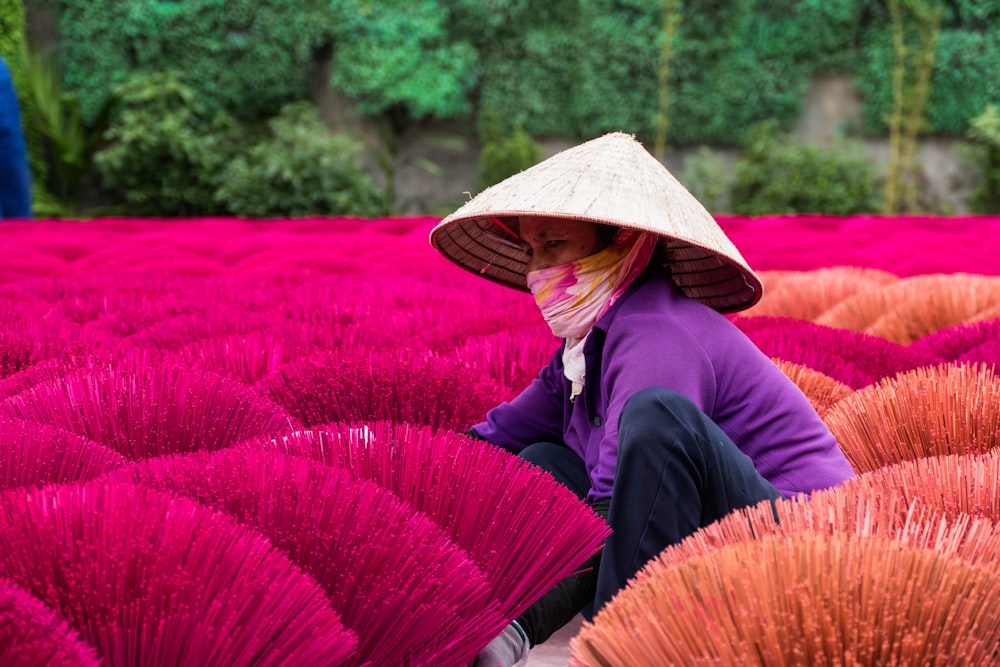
[{"x": 276, "y": 108}]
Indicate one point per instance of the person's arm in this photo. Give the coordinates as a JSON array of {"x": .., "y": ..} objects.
[
  {"x": 637, "y": 356},
  {"x": 534, "y": 415}
]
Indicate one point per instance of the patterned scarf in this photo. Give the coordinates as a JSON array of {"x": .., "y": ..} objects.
[{"x": 573, "y": 296}]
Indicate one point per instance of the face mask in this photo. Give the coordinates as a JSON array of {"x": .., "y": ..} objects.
[{"x": 573, "y": 296}]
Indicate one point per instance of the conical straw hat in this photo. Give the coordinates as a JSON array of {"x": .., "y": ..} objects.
[{"x": 611, "y": 180}]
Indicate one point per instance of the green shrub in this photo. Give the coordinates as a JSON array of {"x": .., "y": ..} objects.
[
  {"x": 503, "y": 155},
  {"x": 984, "y": 132},
  {"x": 247, "y": 57},
  {"x": 299, "y": 169},
  {"x": 822, "y": 34},
  {"x": 12, "y": 45},
  {"x": 777, "y": 174},
  {"x": 964, "y": 80},
  {"x": 59, "y": 141},
  {"x": 388, "y": 54},
  {"x": 165, "y": 148},
  {"x": 708, "y": 177}
]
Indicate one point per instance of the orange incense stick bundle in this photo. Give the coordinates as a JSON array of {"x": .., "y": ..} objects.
[
  {"x": 943, "y": 409},
  {"x": 801, "y": 599}
]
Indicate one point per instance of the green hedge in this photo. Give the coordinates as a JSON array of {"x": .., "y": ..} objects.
[
  {"x": 165, "y": 148},
  {"x": 299, "y": 169},
  {"x": 248, "y": 57},
  {"x": 392, "y": 53},
  {"x": 568, "y": 68},
  {"x": 964, "y": 80},
  {"x": 777, "y": 174},
  {"x": 168, "y": 155},
  {"x": 596, "y": 71},
  {"x": 985, "y": 153},
  {"x": 12, "y": 40}
]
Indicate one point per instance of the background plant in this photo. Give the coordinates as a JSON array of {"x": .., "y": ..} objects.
[
  {"x": 778, "y": 174},
  {"x": 565, "y": 69},
  {"x": 298, "y": 169},
  {"x": 246, "y": 57},
  {"x": 915, "y": 25},
  {"x": 709, "y": 177},
  {"x": 400, "y": 54},
  {"x": 165, "y": 148},
  {"x": 62, "y": 143},
  {"x": 671, "y": 21},
  {"x": 985, "y": 135},
  {"x": 503, "y": 153}
]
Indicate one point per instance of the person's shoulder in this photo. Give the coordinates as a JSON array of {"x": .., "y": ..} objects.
[{"x": 658, "y": 298}]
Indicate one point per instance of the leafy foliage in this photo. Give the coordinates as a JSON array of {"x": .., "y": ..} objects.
[
  {"x": 61, "y": 141},
  {"x": 964, "y": 80},
  {"x": 165, "y": 148},
  {"x": 985, "y": 135},
  {"x": 503, "y": 155},
  {"x": 777, "y": 174},
  {"x": 12, "y": 46},
  {"x": 300, "y": 169},
  {"x": 399, "y": 52},
  {"x": 823, "y": 33},
  {"x": 248, "y": 57},
  {"x": 708, "y": 177}
]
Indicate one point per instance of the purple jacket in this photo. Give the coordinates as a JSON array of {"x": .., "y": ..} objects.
[{"x": 654, "y": 336}]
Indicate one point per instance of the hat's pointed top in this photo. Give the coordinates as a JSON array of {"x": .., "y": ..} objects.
[{"x": 612, "y": 180}]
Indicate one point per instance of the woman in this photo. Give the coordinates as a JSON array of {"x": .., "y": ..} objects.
[{"x": 656, "y": 409}]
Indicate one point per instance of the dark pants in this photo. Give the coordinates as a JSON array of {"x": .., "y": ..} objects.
[{"x": 677, "y": 472}]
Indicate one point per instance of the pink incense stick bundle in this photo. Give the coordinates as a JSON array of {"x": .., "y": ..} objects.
[
  {"x": 526, "y": 531},
  {"x": 855, "y": 359},
  {"x": 19, "y": 264},
  {"x": 248, "y": 357},
  {"x": 821, "y": 390},
  {"x": 133, "y": 256},
  {"x": 33, "y": 454},
  {"x": 397, "y": 580},
  {"x": 512, "y": 358},
  {"x": 951, "y": 343},
  {"x": 801, "y": 599},
  {"x": 32, "y": 634},
  {"x": 987, "y": 353},
  {"x": 140, "y": 406},
  {"x": 944, "y": 409},
  {"x": 369, "y": 385},
  {"x": 482, "y": 312},
  {"x": 133, "y": 301},
  {"x": 152, "y": 579},
  {"x": 806, "y": 295},
  {"x": 24, "y": 343},
  {"x": 176, "y": 332},
  {"x": 83, "y": 349},
  {"x": 54, "y": 241},
  {"x": 35, "y": 374}
]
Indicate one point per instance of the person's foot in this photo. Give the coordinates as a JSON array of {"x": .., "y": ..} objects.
[{"x": 509, "y": 649}]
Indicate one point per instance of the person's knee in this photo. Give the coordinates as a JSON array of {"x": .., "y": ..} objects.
[
  {"x": 539, "y": 453},
  {"x": 655, "y": 414},
  {"x": 656, "y": 407}
]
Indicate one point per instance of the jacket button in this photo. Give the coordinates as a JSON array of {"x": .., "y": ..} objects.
[{"x": 597, "y": 421}]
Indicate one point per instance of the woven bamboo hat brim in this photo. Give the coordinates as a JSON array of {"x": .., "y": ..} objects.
[{"x": 611, "y": 180}]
